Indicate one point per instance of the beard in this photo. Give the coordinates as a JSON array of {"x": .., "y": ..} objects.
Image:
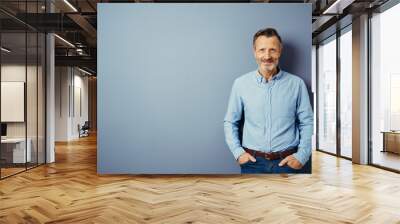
[{"x": 271, "y": 67}]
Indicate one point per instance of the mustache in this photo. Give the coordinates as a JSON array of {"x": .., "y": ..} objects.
[{"x": 269, "y": 60}]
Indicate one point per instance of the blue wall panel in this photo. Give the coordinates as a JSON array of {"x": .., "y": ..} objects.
[{"x": 165, "y": 73}]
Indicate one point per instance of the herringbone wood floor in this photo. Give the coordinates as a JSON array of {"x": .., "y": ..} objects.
[{"x": 70, "y": 191}]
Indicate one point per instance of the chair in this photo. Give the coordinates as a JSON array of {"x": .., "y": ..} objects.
[{"x": 84, "y": 130}]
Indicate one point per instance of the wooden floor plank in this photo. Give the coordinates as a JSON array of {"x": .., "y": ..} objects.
[{"x": 70, "y": 191}]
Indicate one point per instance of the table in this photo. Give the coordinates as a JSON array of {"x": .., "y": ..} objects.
[
  {"x": 17, "y": 150},
  {"x": 391, "y": 141}
]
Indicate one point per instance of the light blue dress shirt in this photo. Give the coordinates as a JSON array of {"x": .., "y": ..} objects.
[{"x": 277, "y": 115}]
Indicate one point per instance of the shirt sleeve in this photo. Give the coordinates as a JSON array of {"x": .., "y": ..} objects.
[
  {"x": 305, "y": 122},
  {"x": 232, "y": 120}
]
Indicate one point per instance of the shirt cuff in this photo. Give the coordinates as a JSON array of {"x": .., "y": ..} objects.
[
  {"x": 300, "y": 158},
  {"x": 237, "y": 152}
]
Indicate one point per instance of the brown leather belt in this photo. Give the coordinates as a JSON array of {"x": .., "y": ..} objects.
[{"x": 271, "y": 155}]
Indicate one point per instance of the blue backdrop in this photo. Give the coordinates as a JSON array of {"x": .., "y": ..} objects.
[{"x": 165, "y": 73}]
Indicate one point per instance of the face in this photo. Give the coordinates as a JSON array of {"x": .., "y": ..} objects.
[{"x": 267, "y": 51}]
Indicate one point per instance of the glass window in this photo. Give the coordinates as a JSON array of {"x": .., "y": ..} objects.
[
  {"x": 327, "y": 96},
  {"x": 22, "y": 91},
  {"x": 41, "y": 98},
  {"x": 385, "y": 89},
  {"x": 31, "y": 101},
  {"x": 14, "y": 151},
  {"x": 346, "y": 94}
]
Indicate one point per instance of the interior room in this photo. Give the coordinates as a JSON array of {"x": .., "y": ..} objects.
[{"x": 64, "y": 94}]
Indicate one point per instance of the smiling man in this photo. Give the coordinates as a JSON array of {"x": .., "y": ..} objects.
[{"x": 278, "y": 119}]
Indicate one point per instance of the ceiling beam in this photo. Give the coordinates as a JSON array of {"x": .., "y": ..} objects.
[
  {"x": 84, "y": 61},
  {"x": 86, "y": 26}
]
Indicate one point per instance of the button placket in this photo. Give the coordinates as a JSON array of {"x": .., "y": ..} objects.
[{"x": 268, "y": 115}]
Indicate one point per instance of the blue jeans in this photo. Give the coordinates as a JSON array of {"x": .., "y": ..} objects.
[{"x": 263, "y": 165}]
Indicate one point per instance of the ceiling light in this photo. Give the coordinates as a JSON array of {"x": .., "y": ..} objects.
[
  {"x": 84, "y": 71},
  {"x": 71, "y": 6},
  {"x": 329, "y": 9},
  {"x": 79, "y": 51},
  {"x": 338, "y": 6},
  {"x": 65, "y": 41},
  {"x": 5, "y": 49}
]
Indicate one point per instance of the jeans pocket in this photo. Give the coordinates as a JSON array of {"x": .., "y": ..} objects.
[
  {"x": 289, "y": 169},
  {"x": 282, "y": 169},
  {"x": 247, "y": 163}
]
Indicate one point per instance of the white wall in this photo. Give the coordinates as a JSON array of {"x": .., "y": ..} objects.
[
  {"x": 17, "y": 73},
  {"x": 79, "y": 112},
  {"x": 61, "y": 103},
  {"x": 70, "y": 83},
  {"x": 12, "y": 73}
]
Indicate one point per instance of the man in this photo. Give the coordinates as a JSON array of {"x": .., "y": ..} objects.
[{"x": 278, "y": 119}]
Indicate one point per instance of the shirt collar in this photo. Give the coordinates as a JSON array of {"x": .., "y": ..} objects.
[{"x": 260, "y": 79}]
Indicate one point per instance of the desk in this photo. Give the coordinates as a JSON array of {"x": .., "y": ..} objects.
[
  {"x": 17, "y": 150},
  {"x": 391, "y": 141}
]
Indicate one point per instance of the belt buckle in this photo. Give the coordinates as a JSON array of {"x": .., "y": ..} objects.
[{"x": 267, "y": 156}]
